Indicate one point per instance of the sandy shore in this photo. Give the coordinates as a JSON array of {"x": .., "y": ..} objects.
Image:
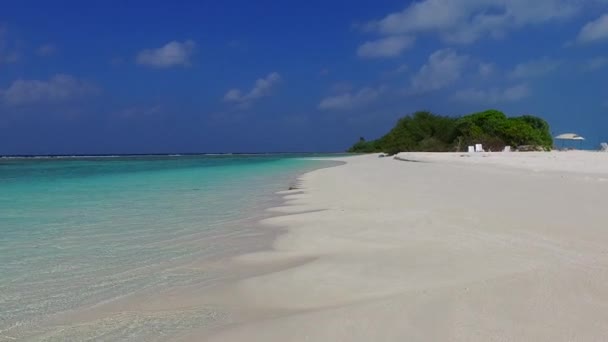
[{"x": 485, "y": 248}]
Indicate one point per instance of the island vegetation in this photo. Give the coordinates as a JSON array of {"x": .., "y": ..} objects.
[{"x": 427, "y": 132}]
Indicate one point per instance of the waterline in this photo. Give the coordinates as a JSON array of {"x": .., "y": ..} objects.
[{"x": 80, "y": 233}]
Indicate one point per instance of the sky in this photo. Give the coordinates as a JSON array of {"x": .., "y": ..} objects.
[{"x": 81, "y": 77}]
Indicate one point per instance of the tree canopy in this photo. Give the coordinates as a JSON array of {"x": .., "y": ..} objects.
[{"x": 427, "y": 132}]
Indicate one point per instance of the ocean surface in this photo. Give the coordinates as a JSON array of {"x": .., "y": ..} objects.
[{"x": 78, "y": 233}]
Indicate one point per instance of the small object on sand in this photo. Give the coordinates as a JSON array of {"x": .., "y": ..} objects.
[
  {"x": 293, "y": 188},
  {"x": 604, "y": 147}
]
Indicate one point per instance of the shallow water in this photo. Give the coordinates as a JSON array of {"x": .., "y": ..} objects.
[{"x": 75, "y": 233}]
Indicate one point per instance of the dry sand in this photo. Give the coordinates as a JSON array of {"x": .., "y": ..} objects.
[{"x": 493, "y": 247}]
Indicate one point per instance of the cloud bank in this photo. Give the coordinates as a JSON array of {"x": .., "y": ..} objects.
[
  {"x": 465, "y": 21},
  {"x": 385, "y": 47},
  {"x": 263, "y": 87},
  {"x": 351, "y": 100},
  {"x": 443, "y": 68},
  {"x": 59, "y": 88},
  {"x": 493, "y": 95},
  {"x": 536, "y": 68},
  {"x": 172, "y": 54},
  {"x": 593, "y": 31}
]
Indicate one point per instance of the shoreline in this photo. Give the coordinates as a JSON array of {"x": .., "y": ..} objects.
[
  {"x": 245, "y": 314},
  {"x": 391, "y": 251},
  {"x": 180, "y": 306}
]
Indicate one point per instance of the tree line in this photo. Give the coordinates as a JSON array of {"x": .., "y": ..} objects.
[{"x": 427, "y": 132}]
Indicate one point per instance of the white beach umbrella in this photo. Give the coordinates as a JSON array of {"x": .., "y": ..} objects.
[{"x": 569, "y": 136}]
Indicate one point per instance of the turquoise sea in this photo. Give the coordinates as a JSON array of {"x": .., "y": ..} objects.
[{"x": 79, "y": 232}]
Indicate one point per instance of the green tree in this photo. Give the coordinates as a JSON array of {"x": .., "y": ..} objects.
[{"x": 425, "y": 131}]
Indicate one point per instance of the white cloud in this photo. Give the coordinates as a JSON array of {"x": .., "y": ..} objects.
[
  {"x": 595, "y": 30},
  {"x": 596, "y": 63},
  {"x": 535, "y": 68},
  {"x": 171, "y": 54},
  {"x": 385, "y": 47},
  {"x": 443, "y": 68},
  {"x": 402, "y": 68},
  {"x": 465, "y": 21},
  {"x": 351, "y": 100},
  {"x": 58, "y": 88},
  {"x": 486, "y": 69},
  {"x": 397, "y": 72},
  {"x": 493, "y": 95},
  {"x": 46, "y": 50},
  {"x": 262, "y": 87},
  {"x": 233, "y": 95}
]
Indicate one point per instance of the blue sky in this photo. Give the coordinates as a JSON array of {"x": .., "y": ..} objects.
[{"x": 255, "y": 76}]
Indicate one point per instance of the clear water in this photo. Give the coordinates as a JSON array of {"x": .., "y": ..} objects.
[{"x": 78, "y": 232}]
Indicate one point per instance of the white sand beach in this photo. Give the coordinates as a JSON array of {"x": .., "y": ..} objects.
[{"x": 501, "y": 247}]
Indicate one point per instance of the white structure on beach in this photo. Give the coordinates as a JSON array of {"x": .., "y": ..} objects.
[
  {"x": 569, "y": 137},
  {"x": 476, "y": 148}
]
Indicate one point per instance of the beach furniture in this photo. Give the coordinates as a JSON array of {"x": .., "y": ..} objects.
[
  {"x": 569, "y": 137},
  {"x": 507, "y": 149},
  {"x": 471, "y": 149},
  {"x": 479, "y": 148},
  {"x": 604, "y": 147}
]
